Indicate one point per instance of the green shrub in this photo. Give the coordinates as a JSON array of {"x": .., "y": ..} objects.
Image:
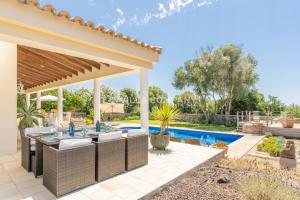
[
  {"x": 133, "y": 117},
  {"x": 266, "y": 188},
  {"x": 221, "y": 144},
  {"x": 117, "y": 119},
  {"x": 272, "y": 145},
  {"x": 268, "y": 134}
]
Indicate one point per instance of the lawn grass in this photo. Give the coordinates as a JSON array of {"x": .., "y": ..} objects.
[{"x": 207, "y": 127}]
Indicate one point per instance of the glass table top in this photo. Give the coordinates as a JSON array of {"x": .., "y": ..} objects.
[{"x": 52, "y": 138}]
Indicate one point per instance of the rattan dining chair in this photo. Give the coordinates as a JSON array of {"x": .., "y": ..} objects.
[
  {"x": 67, "y": 170},
  {"x": 136, "y": 151},
  {"x": 110, "y": 158}
]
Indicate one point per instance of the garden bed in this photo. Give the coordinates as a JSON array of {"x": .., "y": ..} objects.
[{"x": 228, "y": 179}]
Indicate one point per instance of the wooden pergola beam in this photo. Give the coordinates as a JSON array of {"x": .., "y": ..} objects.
[
  {"x": 39, "y": 72},
  {"x": 49, "y": 60},
  {"x": 30, "y": 58}
]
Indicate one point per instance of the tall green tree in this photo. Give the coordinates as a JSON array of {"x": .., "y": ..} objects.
[
  {"x": 87, "y": 96},
  {"x": 251, "y": 101},
  {"x": 130, "y": 99},
  {"x": 274, "y": 105},
  {"x": 156, "y": 97},
  {"x": 186, "y": 102},
  {"x": 218, "y": 75},
  {"x": 108, "y": 95}
]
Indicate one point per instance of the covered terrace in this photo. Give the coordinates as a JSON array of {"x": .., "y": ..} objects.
[{"x": 43, "y": 49}]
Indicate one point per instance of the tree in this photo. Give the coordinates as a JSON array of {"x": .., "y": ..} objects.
[
  {"x": 73, "y": 102},
  {"x": 130, "y": 99},
  {"x": 219, "y": 74},
  {"x": 186, "y": 102},
  {"x": 108, "y": 95},
  {"x": 49, "y": 105},
  {"x": 156, "y": 97},
  {"x": 252, "y": 101},
  {"x": 273, "y": 104},
  {"x": 87, "y": 96}
]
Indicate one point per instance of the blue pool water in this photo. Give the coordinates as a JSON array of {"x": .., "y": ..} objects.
[{"x": 203, "y": 136}]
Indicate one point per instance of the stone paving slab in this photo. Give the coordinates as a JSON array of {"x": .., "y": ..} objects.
[{"x": 163, "y": 167}]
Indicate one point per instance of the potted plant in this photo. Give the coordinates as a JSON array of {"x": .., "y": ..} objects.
[
  {"x": 289, "y": 121},
  {"x": 221, "y": 145},
  {"x": 165, "y": 113},
  {"x": 28, "y": 116}
]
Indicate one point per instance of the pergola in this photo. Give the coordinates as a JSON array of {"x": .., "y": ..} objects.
[{"x": 45, "y": 49}]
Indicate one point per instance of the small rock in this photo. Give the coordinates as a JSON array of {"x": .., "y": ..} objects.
[{"x": 223, "y": 179}]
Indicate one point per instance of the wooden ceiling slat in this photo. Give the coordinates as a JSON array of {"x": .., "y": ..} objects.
[
  {"x": 82, "y": 62},
  {"x": 30, "y": 58},
  {"x": 32, "y": 76},
  {"x": 39, "y": 72},
  {"x": 38, "y": 67},
  {"x": 93, "y": 63},
  {"x": 62, "y": 60},
  {"x": 49, "y": 60},
  {"x": 68, "y": 60},
  {"x": 29, "y": 66}
]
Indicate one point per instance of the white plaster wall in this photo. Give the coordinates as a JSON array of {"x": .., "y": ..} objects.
[{"x": 8, "y": 98}]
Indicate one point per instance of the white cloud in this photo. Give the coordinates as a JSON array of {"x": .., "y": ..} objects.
[
  {"x": 164, "y": 9},
  {"x": 173, "y": 6},
  {"x": 121, "y": 19},
  {"x": 120, "y": 11}
]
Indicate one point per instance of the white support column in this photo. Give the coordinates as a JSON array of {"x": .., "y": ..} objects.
[
  {"x": 97, "y": 98},
  {"x": 39, "y": 104},
  {"x": 8, "y": 105},
  {"x": 60, "y": 114},
  {"x": 144, "y": 99},
  {"x": 38, "y": 100},
  {"x": 27, "y": 100}
]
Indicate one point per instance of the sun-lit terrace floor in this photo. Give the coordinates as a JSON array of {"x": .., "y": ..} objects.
[{"x": 16, "y": 183}]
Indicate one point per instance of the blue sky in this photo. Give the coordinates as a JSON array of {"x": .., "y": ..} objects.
[{"x": 267, "y": 29}]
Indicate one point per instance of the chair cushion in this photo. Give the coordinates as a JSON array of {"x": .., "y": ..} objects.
[
  {"x": 39, "y": 130},
  {"x": 136, "y": 132},
  {"x": 109, "y": 136},
  {"x": 74, "y": 143}
]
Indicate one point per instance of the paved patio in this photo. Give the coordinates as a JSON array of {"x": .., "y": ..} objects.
[{"x": 16, "y": 183}]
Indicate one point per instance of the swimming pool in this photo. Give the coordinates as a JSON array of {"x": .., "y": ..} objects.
[{"x": 203, "y": 136}]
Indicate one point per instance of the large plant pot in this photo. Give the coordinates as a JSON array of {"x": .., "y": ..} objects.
[
  {"x": 159, "y": 142},
  {"x": 288, "y": 123}
]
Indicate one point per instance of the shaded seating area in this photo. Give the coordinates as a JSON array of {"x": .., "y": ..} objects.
[{"x": 69, "y": 162}]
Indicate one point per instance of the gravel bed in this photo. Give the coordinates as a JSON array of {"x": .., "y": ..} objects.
[{"x": 204, "y": 184}]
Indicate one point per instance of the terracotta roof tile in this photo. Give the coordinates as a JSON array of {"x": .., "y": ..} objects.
[{"x": 89, "y": 24}]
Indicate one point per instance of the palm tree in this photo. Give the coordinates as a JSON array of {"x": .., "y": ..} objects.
[
  {"x": 28, "y": 116},
  {"x": 165, "y": 113}
]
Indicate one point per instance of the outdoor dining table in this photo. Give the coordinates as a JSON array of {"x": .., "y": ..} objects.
[{"x": 53, "y": 139}]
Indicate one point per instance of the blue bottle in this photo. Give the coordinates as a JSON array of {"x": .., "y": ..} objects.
[
  {"x": 98, "y": 126},
  {"x": 71, "y": 129}
]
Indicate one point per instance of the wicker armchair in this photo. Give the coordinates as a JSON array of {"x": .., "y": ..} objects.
[
  {"x": 68, "y": 170},
  {"x": 136, "y": 151},
  {"x": 110, "y": 158},
  {"x": 26, "y": 153}
]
